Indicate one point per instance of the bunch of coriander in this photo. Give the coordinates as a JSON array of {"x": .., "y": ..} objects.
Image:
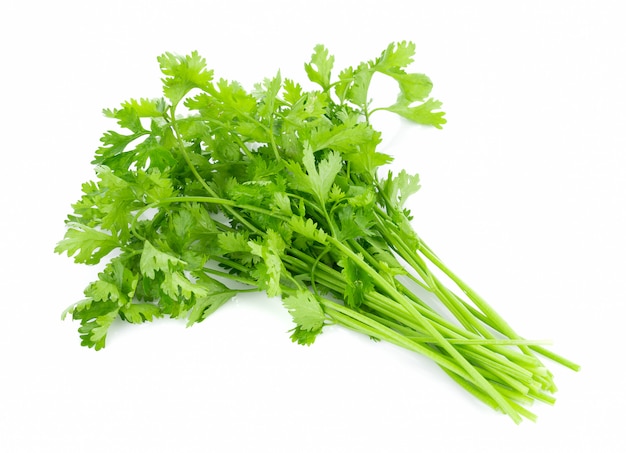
[{"x": 212, "y": 190}]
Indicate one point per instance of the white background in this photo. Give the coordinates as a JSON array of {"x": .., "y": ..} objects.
[{"x": 523, "y": 195}]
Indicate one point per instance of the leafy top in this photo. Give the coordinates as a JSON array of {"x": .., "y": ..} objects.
[{"x": 256, "y": 187}]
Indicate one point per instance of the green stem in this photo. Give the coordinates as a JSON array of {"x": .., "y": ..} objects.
[
  {"x": 450, "y": 349},
  {"x": 502, "y": 325}
]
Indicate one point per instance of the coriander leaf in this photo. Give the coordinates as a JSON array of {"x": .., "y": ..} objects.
[
  {"x": 150, "y": 153},
  {"x": 152, "y": 260},
  {"x": 343, "y": 85},
  {"x": 304, "y": 337},
  {"x": 426, "y": 113},
  {"x": 146, "y": 108},
  {"x": 323, "y": 63},
  {"x": 87, "y": 245},
  {"x": 361, "y": 197},
  {"x": 267, "y": 96},
  {"x": 312, "y": 109},
  {"x": 344, "y": 138},
  {"x": 319, "y": 179},
  {"x": 112, "y": 152},
  {"x": 216, "y": 295},
  {"x": 413, "y": 87},
  {"x": 234, "y": 242},
  {"x": 176, "y": 285},
  {"x": 399, "y": 188},
  {"x": 104, "y": 290},
  {"x": 270, "y": 251},
  {"x": 292, "y": 92},
  {"x": 308, "y": 228},
  {"x": 138, "y": 313},
  {"x": 365, "y": 159},
  {"x": 95, "y": 320},
  {"x": 359, "y": 283},
  {"x": 183, "y": 74},
  {"x": 281, "y": 203},
  {"x": 153, "y": 186},
  {"x": 395, "y": 56},
  {"x": 354, "y": 223},
  {"x": 233, "y": 102},
  {"x": 356, "y": 84},
  {"x": 116, "y": 283},
  {"x": 336, "y": 194},
  {"x": 305, "y": 310},
  {"x": 129, "y": 115},
  {"x": 93, "y": 333}
]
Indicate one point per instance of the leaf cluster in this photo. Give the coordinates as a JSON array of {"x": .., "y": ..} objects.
[{"x": 277, "y": 189}]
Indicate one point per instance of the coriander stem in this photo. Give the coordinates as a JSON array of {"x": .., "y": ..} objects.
[{"x": 393, "y": 292}]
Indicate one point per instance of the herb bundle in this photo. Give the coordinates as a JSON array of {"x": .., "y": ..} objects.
[{"x": 213, "y": 190}]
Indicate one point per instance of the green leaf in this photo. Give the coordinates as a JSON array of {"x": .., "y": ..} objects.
[
  {"x": 234, "y": 242},
  {"x": 305, "y": 310},
  {"x": 323, "y": 63},
  {"x": 116, "y": 283},
  {"x": 96, "y": 318},
  {"x": 138, "y": 313},
  {"x": 217, "y": 294},
  {"x": 343, "y": 85},
  {"x": 103, "y": 290},
  {"x": 304, "y": 337},
  {"x": 146, "y": 108},
  {"x": 176, "y": 285},
  {"x": 93, "y": 333},
  {"x": 132, "y": 111},
  {"x": 427, "y": 113},
  {"x": 308, "y": 111},
  {"x": 359, "y": 283},
  {"x": 153, "y": 260},
  {"x": 336, "y": 194},
  {"x": 357, "y": 86},
  {"x": 308, "y": 228},
  {"x": 344, "y": 138},
  {"x": 413, "y": 87},
  {"x": 395, "y": 56},
  {"x": 361, "y": 196},
  {"x": 112, "y": 152},
  {"x": 281, "y": 203},
  {"x": 87, "y": 245},
  {"x": 151, "y": 153},
  {"x": 233, "y": 101},
  {"x": 184, "y": 73},
  {"x": 154, "y": 186},
  {"x": 320, "y": 178},
  {"x": 354, "y": 85},
  {"x": 271, "y": 251},
  {"x": 292, "y": 92},
  {"x": 399, "y": 188},
  {"x": 267, "y": 96},
  {"x": 354, "y": 223}
]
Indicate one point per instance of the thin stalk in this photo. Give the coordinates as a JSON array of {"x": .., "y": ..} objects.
[
  {"x": 355, "y": 321},
  {"x": 477, "y": 353},
  {"x": 352, "y": 321},
  {"x": 502, "y": 325},
  {"x": 454, "y": 353},
  {"x": 334, "y": 281},
  {"x": 381, "y": 304},
  {"x": 435, "y": 286}
]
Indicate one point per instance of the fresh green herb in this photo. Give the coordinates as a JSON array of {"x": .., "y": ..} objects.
[{"x": 213, "y": 190}]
